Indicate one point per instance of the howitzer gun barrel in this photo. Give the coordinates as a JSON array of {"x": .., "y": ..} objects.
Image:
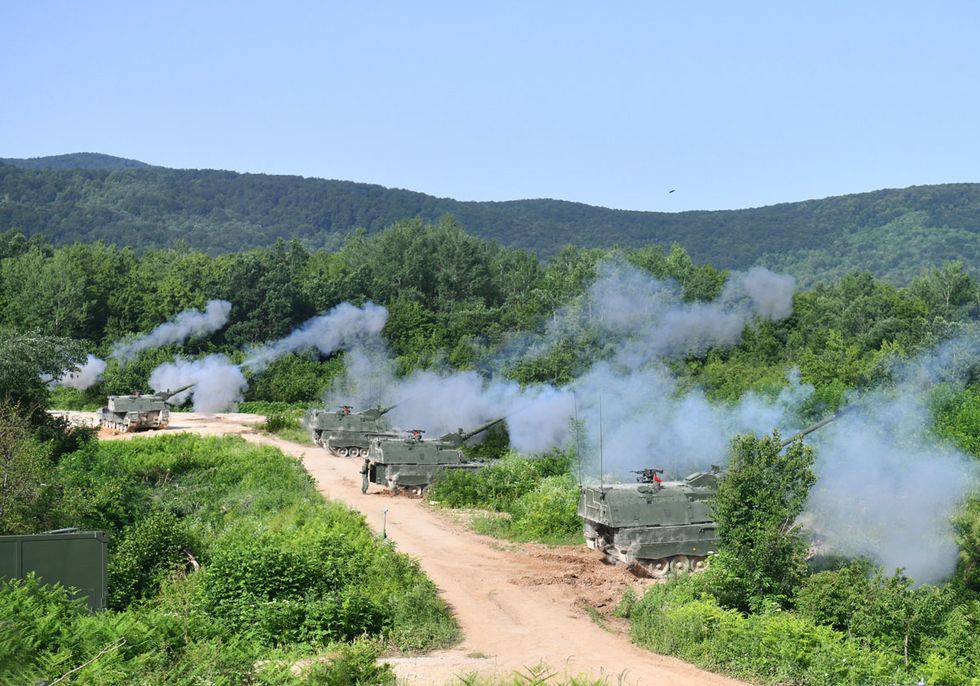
[
  {"x": 386, "y": 410},
  {"x": 813, "y": 427},
  {"x": 480, "y": 429},
  {"x": 459, "y": 438},
  {"x": 167, "y": 395}
]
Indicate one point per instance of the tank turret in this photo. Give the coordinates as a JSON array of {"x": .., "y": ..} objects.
[
  {"x": 459, "y": 437},
  {"x": 165, "y": 396},
  {"x": 346, "y": 433},
  {"x": 413, "y": 462}
]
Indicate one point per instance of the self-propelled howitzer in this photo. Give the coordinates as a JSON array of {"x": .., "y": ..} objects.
[
  {"x": 138, "y": 412},
  {"x": 345, "y": 432},
  {"x": 657, "y": 526},
  {"x": 413, "y": 462}
]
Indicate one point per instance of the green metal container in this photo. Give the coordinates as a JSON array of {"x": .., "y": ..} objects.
[{"x": 75, "y": 559}]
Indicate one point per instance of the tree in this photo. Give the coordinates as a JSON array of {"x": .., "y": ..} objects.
[
  {"x": 27, "y": 360},
  {"x": 23, "y": 463},
  {"x": 762, "y": 557}
]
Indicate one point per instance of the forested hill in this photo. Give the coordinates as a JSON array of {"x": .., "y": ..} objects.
[
  {"x": 75, "y": 160},
  {"x": 85, "y": 197}
]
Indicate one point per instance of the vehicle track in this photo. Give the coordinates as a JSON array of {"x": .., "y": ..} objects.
[{"x": 518, "y": 606}]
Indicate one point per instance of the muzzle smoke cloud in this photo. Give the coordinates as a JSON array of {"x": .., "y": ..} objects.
[
  {"x": 340, "y": 328},
  {"x": 219, "y": 382},
  {"x": 638, "y": 317},
  {"x": 86, "y": 375},
  {"x": 188, "y": 324},
  {"x": 887, "y": 488}
]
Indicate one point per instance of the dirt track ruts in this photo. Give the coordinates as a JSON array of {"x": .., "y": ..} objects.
[{"x": 512, "y": 603}]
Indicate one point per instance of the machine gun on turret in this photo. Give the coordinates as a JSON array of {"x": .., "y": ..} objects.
[{"x": 650, "y": 475}]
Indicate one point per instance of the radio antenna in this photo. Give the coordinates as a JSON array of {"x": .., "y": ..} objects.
[
  {"x": 601, "y": 476},
  {"x": 578, "y": 442}
]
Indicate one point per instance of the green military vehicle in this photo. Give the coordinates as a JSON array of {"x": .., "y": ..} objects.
[
  {"x": 655, "y": 526},
  {"x": 138, "y": 412},
  {"x": 413, "y": 462},
  {"x": 347, "y": 433}
]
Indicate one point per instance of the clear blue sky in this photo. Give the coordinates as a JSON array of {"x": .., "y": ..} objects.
[{"x": 734, "y": 104}]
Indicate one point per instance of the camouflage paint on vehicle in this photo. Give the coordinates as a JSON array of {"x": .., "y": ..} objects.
[
  {"x": 138, "y": 412},
  {"x": 413, "y": 462},
  {"x": 347, "y": 433}
]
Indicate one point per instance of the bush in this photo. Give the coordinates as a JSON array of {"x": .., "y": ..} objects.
[
  {"x": 760, "y": 497},
  {"x": 549, "y": 512},
  {"x": 777, "y": 647},
  {"x": 150, "y": 550},
  {"x": 278, "y": 421},
  {"x": 353, "y": 665},
  {"x": 498, "y": 486}
]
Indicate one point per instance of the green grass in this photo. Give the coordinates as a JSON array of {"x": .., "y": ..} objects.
[
  {"x": 533, "y": 499},
  {"x": 286, "y": 425},
  {"x": 284, "y": 575}
]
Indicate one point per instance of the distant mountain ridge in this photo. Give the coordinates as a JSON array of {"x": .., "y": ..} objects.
[
  {"x": 75, "y": 160},
  {"x": 88, "y": 196}
]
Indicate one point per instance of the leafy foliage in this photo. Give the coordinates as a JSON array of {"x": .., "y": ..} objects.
[
  {"x": 283, "y": 573},
  {"x": 761, "y": 558}
]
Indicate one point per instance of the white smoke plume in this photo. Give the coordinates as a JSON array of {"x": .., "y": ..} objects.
[
  {"x": 648, "y": 421},
  {"x": 340, "y": 328},
  {"x": 219, "y": 382},
  {"x": 443, "y": 401},
  {"x": 85, "y": 375},
  {"x": 887, "y": 488},
  {"x": 188, "y": 324},
  {"x": 644, "y": 318},
  {"x": 637, "y": 316}
]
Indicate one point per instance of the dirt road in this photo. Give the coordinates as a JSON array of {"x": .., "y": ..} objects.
[{"x": 518, "y": 606}]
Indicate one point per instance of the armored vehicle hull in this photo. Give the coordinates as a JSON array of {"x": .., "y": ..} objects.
[
  {"x": 130, "y": 413},
  {"x": 345, "y": 433},
  {"x": 413, "y": 463},
  {"x": 654, "y": 528},
  {"x": 132, "y": 421}
]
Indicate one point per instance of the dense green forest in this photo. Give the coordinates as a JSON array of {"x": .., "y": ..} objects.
[
  {"x": 761, "y": 611},
  {"x": 88, "y": 197}
]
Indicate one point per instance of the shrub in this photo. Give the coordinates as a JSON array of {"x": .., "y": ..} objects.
[
  {"x": 278, "y": 421},
  {"x": 150, "y": 551},
  {"x": 762, "y": 494},
  {"x": 352, "y": 665},
  {"x": 549, "y": 512},
  {"x": 775, "y": 647}
]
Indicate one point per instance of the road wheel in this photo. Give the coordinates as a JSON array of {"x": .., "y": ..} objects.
[
  {"x": 657, "y": 569},
  {"x": 680, "y": 563},
  {"x": 699, "y": 564},
  {"x": 364, "y": 452},
  {"x": 343, "y": 452}
]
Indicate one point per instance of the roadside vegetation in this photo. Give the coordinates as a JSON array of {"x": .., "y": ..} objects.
[
  {"x": 226, "y": 566},
  {"x": 534, "y": 499}
]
